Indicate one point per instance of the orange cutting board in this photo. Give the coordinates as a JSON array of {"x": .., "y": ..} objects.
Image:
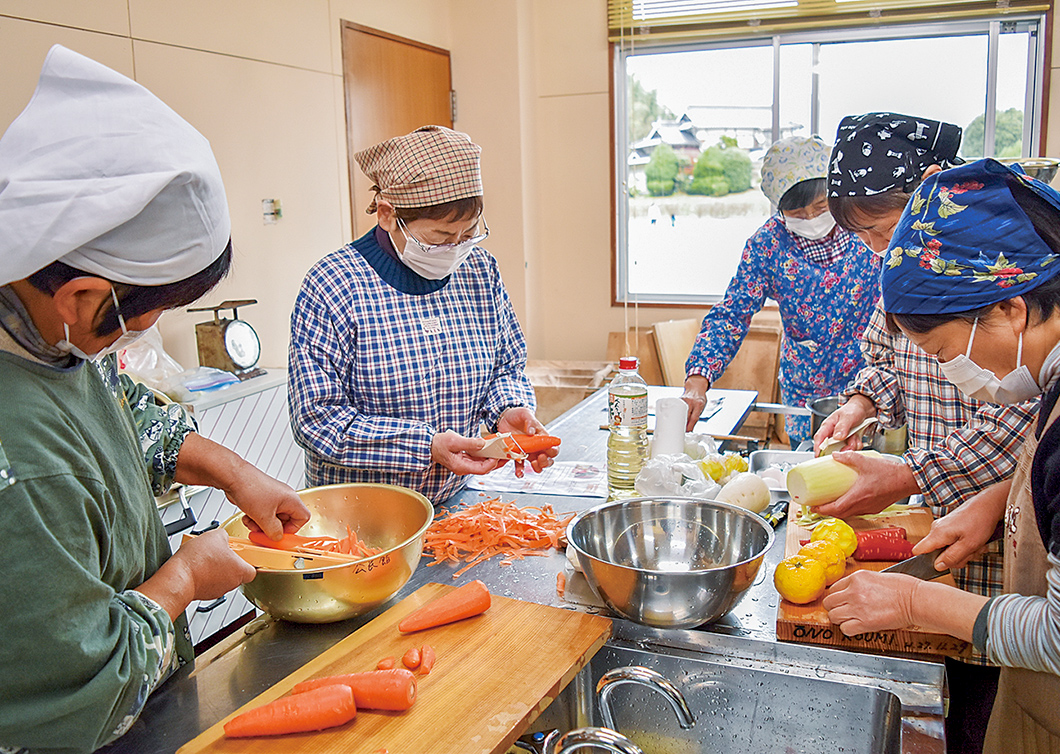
[
  {"x": 494, "y": 674},
  {"x": 810, "y": 624}
]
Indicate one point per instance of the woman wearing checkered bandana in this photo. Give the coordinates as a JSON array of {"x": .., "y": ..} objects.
[{"x": 404, "y": 343}]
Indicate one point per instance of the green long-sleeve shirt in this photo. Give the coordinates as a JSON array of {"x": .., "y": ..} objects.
[{"x": 78, "y": 532}]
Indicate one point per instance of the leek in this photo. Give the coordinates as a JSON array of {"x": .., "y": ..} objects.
[{"x": 821, "y": 480}]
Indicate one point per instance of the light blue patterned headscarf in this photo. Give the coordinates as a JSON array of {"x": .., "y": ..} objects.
[
  {"x": 963, "y": 242},
  {"x": 790, "y": 161}
]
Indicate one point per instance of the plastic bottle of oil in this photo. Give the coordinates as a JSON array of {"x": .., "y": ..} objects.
[{"x": 627, "y": 410}]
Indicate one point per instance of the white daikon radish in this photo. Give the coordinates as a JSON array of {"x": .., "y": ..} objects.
[
  {"x": 746, "y": 490},
  {"x": 822, "y": 480}
]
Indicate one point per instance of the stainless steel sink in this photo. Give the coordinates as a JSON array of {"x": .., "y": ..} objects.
[{"x": 748, "y": 695}]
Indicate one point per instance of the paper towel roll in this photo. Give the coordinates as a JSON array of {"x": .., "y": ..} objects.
[{"x": 669, "y": 436}]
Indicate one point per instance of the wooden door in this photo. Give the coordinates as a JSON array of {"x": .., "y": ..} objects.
[{"x": 393, "y": 86}]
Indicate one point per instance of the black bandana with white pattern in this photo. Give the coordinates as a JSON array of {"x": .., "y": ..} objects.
[{"x": 878, "y": 152}]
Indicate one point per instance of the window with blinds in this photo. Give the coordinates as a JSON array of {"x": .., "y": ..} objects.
[{"x": 647, "y": 20}]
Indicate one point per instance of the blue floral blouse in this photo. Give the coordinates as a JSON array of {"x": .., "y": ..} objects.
[{"x": 825, "y": 302}]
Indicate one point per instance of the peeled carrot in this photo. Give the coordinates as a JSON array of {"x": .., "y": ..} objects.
[
  {"x": 386, "y": 663},
  {"x": 471, "y": 599},
  {"x": 480, "y": 532},
  {"x": 411, "y": 660},
  {"x": 376, "y": 689},
  {"x": 318, "y": 709},
  {"x": 427, "y": 658},
  {"x": 287, "y": 541},
  {"x": 535, "y": 443}
]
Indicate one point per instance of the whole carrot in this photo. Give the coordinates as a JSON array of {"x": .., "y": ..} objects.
[
  {"x": 376, "y": 689},
  {"x": 411, "y": 660},
  {"x": 463, "y": 602},
  {"x": 427, "y": 658},
  {"x": 321, "y": 708}
]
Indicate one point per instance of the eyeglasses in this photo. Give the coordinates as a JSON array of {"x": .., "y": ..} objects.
[{"x": 442, "y": 247}]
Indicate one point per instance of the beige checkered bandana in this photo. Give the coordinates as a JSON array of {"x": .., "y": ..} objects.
[{"x": 432, "y": 165}]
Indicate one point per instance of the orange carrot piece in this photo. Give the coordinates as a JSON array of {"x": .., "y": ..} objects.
[
  {"x": 427, "y": 658},
  {"x": 471, "y": 599},
  {"x": 287, "y": 541},
  {"x": 411, "y": 660},
  {"x": 376, "y": 689},
  {"x": 561, "y": 583},
  {"x": 318, "y": 709},
  {"x": 386, "y": 663},
  {"x": 531, "y": 444}
]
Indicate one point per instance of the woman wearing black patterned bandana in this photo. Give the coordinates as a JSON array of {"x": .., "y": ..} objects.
[{"x": 959, "y": 446}]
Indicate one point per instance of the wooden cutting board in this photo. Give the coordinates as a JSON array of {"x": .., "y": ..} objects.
[
  {"x": 810, "y": 624},
  {"x": 494, "y": 674}
]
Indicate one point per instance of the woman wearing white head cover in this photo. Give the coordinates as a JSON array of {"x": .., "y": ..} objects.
[
  {"x": 823, "y": 278},
  {"x": 112, "y": 210}
]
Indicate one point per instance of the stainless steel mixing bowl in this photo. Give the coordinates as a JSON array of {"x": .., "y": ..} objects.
[
  {"x": 382, "y": 515},
  {"x": 670, "y": 562}
]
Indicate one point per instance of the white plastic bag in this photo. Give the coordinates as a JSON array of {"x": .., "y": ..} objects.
[
  {"x": 146, "y": 361},
  {"x": 674, "y": 474}
]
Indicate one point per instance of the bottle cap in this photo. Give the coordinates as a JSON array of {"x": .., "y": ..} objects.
[{"x": 627, "y": 362}]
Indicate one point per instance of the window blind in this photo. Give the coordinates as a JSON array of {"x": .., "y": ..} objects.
[{"x": 647, "y": 20}]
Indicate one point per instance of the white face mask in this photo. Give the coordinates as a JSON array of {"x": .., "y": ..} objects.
[
  {"x": 126, "y": 339},
  {"x": 814, "y": 229},
  {"x": 983, "y": 385},
  {"x": 436, "y": 262}
]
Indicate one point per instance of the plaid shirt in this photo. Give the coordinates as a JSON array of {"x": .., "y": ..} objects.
[
  {"x": 957, "y": 445},
  {"x": 375, "y": 372}
]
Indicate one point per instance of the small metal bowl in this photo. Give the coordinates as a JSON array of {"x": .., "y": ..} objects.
[
  {"x": 382, "y": 515},
  {"x": 670, "y": 562},
  {"x": 1041, "y": 168}
]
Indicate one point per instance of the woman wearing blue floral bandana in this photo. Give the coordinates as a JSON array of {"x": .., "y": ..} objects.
[{"x": 973, "y": 278}]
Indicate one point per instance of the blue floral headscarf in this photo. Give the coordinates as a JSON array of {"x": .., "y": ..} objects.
[{"x": 963, "y": 243}]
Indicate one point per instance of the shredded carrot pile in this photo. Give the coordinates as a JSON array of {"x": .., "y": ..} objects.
[{"x": 479, "y": 532}]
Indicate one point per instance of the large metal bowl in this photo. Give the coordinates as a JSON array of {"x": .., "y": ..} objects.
[
  {"x": 670, "y": 562},
  {"x": 382, "y": 515}
]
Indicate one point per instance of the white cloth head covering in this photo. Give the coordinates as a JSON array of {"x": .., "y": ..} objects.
[
  {"x": 99, "y": 174},
  {"x": 790, "y": 161}
]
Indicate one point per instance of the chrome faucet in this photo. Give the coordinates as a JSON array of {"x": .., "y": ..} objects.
[
  {"x": 642, "y": 677},
  {"x": 604, "y": 738}
]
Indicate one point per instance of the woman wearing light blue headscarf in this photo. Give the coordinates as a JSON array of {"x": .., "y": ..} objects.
[{"x": 973, "y": 278}]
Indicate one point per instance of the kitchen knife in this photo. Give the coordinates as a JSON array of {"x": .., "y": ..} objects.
[{"x": 922, "y": 566}]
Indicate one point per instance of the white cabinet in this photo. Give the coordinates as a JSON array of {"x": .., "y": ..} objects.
[{"x": 251, "y": 419}]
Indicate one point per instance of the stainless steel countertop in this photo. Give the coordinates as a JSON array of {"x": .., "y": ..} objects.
[{"x": 266, "y": 651}]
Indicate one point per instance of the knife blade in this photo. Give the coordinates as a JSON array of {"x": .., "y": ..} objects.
[{"x": 921, "y": 566}]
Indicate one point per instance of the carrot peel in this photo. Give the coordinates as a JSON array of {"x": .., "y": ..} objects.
[
  {"x": 326, "y": 707},
  {"x": 463, "y": 602}
]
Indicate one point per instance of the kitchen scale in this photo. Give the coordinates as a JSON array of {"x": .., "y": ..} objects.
[{"x": 229, "y": 344}]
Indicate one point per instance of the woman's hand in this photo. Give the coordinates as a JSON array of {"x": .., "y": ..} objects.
[
  {"x": 271, "y": 506},
  {"x": 880, "y": 482},
  {"x": 966, "y": 530},
  {"x": 870, "y": 601},
  {"x": 521, "y": 420},
  {"x": 452, "y": 450},
  {"x": 204, "y": 568},
  {"x": 695, "y": 395},
  {"x": 842, "y": 421}
]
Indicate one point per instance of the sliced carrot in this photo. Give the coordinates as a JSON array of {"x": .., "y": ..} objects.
[
  {"x": 287, "y": 541},
  {"x": 477, "y": 533},
  {"x": 376, "y": 689},
  {"x": 411, "y": 660},
  {"x": 318, "y": 709},
  {"x": 561, "y": 583},
  {"x": 427, "y": 658},
  {"x": 471, "y": 599},
  {"x": 386, "y": 663}
]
